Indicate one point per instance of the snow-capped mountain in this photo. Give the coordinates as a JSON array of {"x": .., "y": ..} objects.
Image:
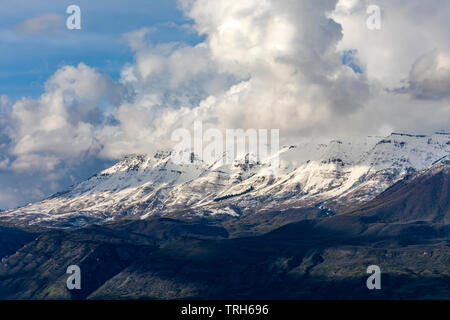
[{"x": 335, "y": 175}]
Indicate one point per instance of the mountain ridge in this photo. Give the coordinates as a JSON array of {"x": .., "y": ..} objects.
[
  {"x": 314, "y": 258},
  {"x": 334, "y": 176}
]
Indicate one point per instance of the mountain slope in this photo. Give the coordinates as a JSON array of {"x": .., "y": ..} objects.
[
  {"x": 314, "y": 259},
  {"x": 333, "y": 176},
  {"x": 38, "y": 269},
  {"x": 424, "y": 196},
  {"x": 322, "y": 258}
]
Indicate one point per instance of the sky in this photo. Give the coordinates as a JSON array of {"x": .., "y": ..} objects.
[{"x": 73, "y": 102}]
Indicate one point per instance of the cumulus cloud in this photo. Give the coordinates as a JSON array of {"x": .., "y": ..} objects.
[
  {"x": 61, "y": 124},
  {"x": 409, "y": 29},
  {"x": 264, "y": 64},
  {"x": 406, "y": 64},
  {"x": 288, "y": 52},
  {"x": 179, "y": 74},
  {"x": 429, "y": 77}
]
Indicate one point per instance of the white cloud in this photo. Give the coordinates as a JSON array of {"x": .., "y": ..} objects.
[
  {"x": 264, "y": 64},
  {"x": 406, "y": 63},
  {"x": 47, "y": 24},
  {"x": 60, "y": 125},
  {"x": 409, "y": 29},
  {"x": 178, "y": 73}
]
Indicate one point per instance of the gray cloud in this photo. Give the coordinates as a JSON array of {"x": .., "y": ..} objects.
[{"x": 430, "y": 76}]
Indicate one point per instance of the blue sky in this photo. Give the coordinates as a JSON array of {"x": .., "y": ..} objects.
[{"x": 27, "y": 60}]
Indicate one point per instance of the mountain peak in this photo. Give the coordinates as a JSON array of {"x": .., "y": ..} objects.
[{"x": 336, "y": 175}]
